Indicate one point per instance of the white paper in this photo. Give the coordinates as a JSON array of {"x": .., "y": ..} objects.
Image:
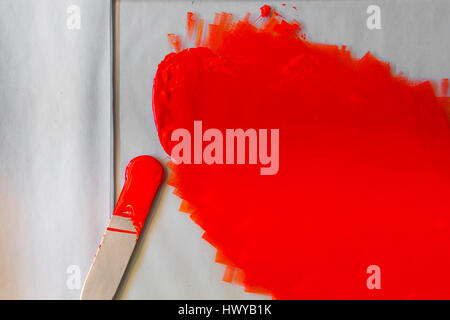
[{"x": 55, "y": 144}]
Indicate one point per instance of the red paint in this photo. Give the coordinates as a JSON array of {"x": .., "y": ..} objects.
[
  {"x": 121, "y": 230},
  {"x": 175, "y": 42},
  {"x": 444, "y": 87},
  {"x": 265, "y": 11},
  {"x": 190, "y": 24},
  {"x": 364, "y": 172},
  {"x": 143, "y": 176}
]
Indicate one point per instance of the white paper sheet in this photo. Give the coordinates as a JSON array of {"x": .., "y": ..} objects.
[{"x": 55, "y": 164}]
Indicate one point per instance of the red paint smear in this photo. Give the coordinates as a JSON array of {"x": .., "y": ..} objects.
[
  {"x": 174, "y": 41},
  {"x": 190, "y": 24},
  {"x": 364, "y": 173},
  {"x": 444, "y": 87},
  {"x": 143, "y": 176}
]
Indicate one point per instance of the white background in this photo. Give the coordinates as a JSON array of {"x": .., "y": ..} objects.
[{"x": 54, "y": 143}]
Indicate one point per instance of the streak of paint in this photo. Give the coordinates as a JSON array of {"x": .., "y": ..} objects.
[
  {"x": 121, "y": 230},
  {"x": 190, "y": 24},
  {"x": 364, "y": 174},
  {"x": 444, "y": 87},
  {"x": 143, "y": 176},
  {"x": 174, "y": 41}
]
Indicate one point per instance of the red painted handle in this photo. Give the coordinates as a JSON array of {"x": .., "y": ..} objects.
[{"x": 143, "y": 176}]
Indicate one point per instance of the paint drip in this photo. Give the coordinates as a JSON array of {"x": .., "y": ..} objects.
[{"x": 364, "y": 176}]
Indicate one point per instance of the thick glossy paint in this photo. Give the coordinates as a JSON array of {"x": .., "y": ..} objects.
[{"x": 143, "y": 176}]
